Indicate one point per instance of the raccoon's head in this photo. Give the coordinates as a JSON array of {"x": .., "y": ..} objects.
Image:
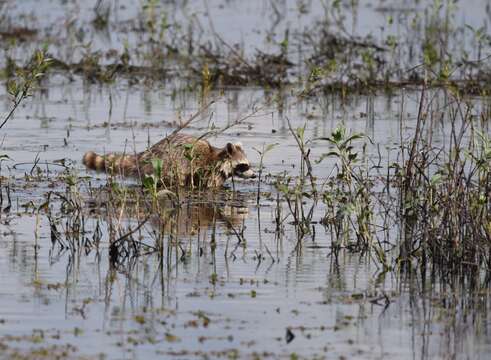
[{"x": 235, "y": 162}]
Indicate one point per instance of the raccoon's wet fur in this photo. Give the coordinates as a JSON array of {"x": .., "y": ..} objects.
[{"x": 186, "y": 161}]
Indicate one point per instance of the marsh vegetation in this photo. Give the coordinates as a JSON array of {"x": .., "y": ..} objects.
[{"x": 366, "y": 234}]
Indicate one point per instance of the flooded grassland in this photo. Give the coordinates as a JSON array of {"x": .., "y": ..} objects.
[{"x": 365, "y": 236}]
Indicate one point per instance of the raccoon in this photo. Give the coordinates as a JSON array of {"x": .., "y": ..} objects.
[{"x": 186, "y": 161}]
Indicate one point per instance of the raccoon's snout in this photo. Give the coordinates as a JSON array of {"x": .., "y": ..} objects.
[
  {"x": 249, "y": 174},
  {"x": 244, "y": 171}
]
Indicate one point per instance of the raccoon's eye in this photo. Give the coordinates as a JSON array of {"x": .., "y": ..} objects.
[{"x": 242, "y": 167}]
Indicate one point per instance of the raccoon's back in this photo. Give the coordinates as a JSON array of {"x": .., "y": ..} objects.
[
  {"x": 178, "y": 149},
  {"x": 179, "y": 142}
]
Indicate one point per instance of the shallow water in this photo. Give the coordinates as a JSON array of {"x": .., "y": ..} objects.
[
  {"x": 179, "y": 307},
  {"x": 258, "y": 298}
]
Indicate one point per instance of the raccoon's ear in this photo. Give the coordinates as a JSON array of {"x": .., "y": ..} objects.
[
  {"x": 227, "y": 151},
  {"x": 230, "y": 148}
]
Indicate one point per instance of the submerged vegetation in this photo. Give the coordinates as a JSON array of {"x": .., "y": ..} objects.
[{"x": 401, "y": 195}]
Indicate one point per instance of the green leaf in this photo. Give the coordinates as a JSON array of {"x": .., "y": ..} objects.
[
  {"x": 355, "y": 136},
  {"x": 338, "y": 134},
  {"x": 148, "y": 182},
  {"x": 270, "y": 147},
  {"x": 157, "y": 167},
  {"x": 436, "y": 179},
  {"x": 301, "y": 132},
  {"x": 283, "y": 188},
  {"x": 12, "y": 88},
  {"x": 307, "y": 195},
  {"x": 330, "y": 153},
  {"x": 352, "y": 156}
]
